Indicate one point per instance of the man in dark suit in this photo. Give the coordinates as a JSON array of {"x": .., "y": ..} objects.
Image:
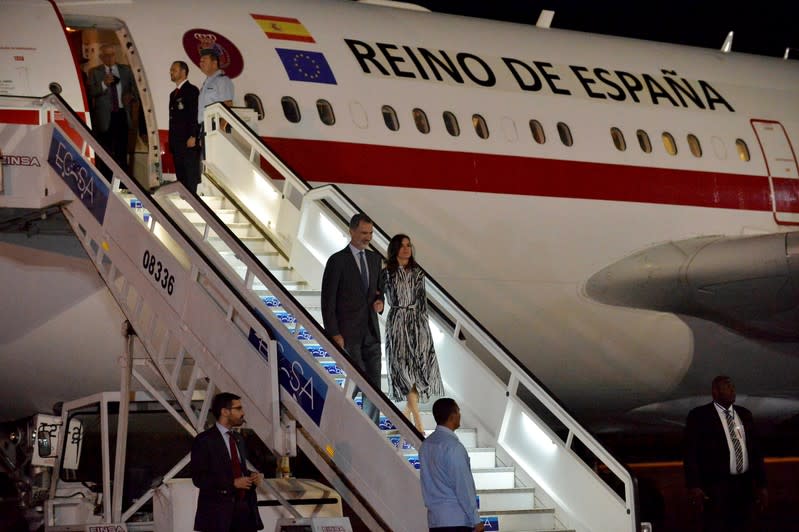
[
  {"x": 112, "y": 90},
  {"x": 227, "y": 500},
  {"x": 350, "y": 303},
  {"x": 183, "y": 128},
  {"x": 724, "y": 469}
]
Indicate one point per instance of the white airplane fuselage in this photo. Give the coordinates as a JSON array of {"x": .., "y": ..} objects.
[{"x": 512, "y": 227}]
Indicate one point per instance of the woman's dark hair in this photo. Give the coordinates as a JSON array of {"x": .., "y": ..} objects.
[{"x": 393, "y": 250}]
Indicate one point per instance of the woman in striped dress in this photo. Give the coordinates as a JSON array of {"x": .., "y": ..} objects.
[{"x": 413, "y": 368}]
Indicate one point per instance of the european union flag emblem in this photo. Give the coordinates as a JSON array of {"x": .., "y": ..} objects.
[{"x": 301, "y": 65}]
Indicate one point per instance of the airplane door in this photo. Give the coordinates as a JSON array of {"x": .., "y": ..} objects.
[{"x": 782, "y": 170}]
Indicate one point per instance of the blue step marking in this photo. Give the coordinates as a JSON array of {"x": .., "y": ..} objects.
[
  {"x": 332, "y": 368},
  {"x": 271, "y": 301},
  {"x": 285, "y": 317},
  {"x": 395, "y": 440}
]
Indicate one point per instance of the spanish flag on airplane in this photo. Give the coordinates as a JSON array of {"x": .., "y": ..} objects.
[{"x": 289, "y": 29}]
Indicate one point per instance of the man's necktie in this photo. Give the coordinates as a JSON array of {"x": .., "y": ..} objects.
[
  {"x": 234, "y": 457},
  {"x": 364, "y": 273},
  {"x": 736, "y": 442},
  {"x": 113, "y": 92}
]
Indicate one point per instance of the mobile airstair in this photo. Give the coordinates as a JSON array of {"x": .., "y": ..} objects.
[{"x": 223, "y": 292}]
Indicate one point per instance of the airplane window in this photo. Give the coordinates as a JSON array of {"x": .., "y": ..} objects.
[
  {"x": 290, "y": 109},
  {"x": 325, "y": 112},
  {"x": 390, "y": 118},
  {"x": 451, "y": 123},
  {"x": 693, "y": 144},
  {"x": 538, "y": 131},
  {"x": 420, "y": 119},
  {"x": 669, "y": 144},
  {"x": 743, "y": 150},
  {"x": 618, "y": 138},
  {"x": 480, "y": 126},
  {"x": 643, "y": 141},
  {"x": 565, "y": 134}
]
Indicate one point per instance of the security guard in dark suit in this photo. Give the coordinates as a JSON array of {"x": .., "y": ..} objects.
[
  {"x": 183, "y": 127},
  {"x": 724, "y": 469}
]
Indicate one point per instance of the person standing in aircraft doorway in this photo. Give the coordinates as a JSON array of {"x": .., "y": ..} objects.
[
  {"x": 349, "y": 291},
  {"x": 111, "y": 88},
  {"x": 413, "y": 369},
  {"x": 217, "y": 87},
  {"x": 183, "y": 126}
]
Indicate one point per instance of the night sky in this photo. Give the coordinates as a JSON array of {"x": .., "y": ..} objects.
[{"x": 764, "y": 27}]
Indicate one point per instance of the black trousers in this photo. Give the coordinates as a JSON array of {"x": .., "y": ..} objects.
[
  {"x": 187, "y": 165},
  {"x": 730, "y": 505},
  {"x": 242, "y": 518},
  {"x": 366, "y": 355},
  {"x": 115, "y": 142}
]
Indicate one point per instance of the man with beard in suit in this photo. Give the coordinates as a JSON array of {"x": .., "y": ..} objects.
[
  {"x": 227, "y": 501},
  {"x": 183, "y": 126},
  {"x": 350, "y": 302}
]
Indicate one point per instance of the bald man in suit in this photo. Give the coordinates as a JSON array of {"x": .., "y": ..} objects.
[{"x": 724, "y": 469}]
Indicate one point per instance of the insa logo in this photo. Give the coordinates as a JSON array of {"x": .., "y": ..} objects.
[
  {"x": 20, "y": 160},
  {"x": 106, "y": 528}
]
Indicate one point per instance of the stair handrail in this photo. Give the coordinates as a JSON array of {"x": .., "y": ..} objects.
[
  {"x": 442, "y": 301},
  {"x": 343, "y": 207},
  {"x": 61, "y": 111},
  {"x": 53, "y": 110},
  {"x": 257, "y": 271},
  {"x": 184, "y": 239}
]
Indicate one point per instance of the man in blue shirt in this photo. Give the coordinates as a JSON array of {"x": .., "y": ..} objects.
[
  {"x": 217, "y": 87},
  {"x": 446, "y": 475}
]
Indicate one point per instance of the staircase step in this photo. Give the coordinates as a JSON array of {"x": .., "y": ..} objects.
[
  {"x": 272, "y": 260},
  {"x": 519, "y": 520},
  {"x": 226, "y": 215},
  {"x": 237, "y": 228},
  {"x": 257, "y": 242},
  {"x": 468, "y": 437},
  {"x": 214, "y": 202},
  {"x": 494, "y": 478},
  {"x": 506, "y": 499},
  {"x": 482, "y": 457}
]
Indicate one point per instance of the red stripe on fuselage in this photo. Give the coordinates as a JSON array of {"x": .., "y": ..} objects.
[
  {"x": 392, "y": 166},
  {"x": 364, "y": 164}
]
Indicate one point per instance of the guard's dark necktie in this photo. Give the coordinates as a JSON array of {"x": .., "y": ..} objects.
[
  {"x": 234, "y": 458},
  {"x": 364, "y": 273},
  {"x": 112, "y": 89},
  {"x": 736, "y": 441}
]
